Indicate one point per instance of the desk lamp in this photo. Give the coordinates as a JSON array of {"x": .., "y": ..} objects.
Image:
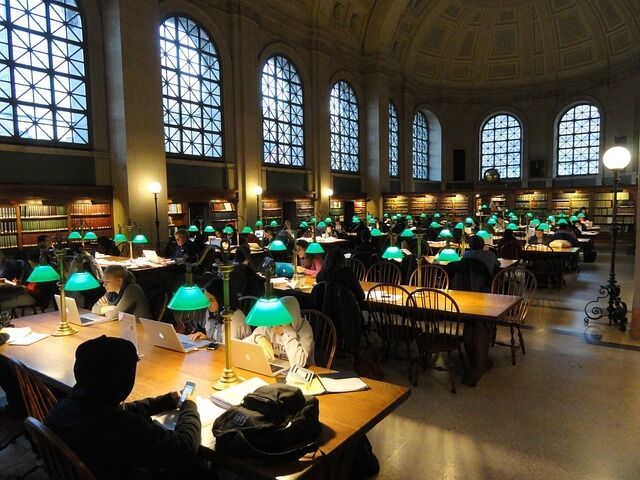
[{"x": 209, "y": 229}]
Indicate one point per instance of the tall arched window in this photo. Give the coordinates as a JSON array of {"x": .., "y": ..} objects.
[
  {"x": 191, "y": 84},
  {"x": 579, "y": 141},
  {"x": 394, "y": 136},
  {"x": 501, "y": 145},
  {"x": 43, "y": 92},
  {"x": 282, "y": 113},
  {"x": 345, "y": 138},
  {"x": 420, "y": 147}
]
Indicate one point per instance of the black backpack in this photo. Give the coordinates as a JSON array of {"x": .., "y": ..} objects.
[{"x": 274, "y": 423}]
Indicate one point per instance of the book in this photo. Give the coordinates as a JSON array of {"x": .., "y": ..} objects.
[
  {"x": 233, "y": 396},
  {"x": 23, "y": 336},
  {"x": 336, "y": 382}
]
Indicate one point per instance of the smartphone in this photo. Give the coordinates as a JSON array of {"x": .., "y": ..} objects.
[{"x": 188, "y": 389}]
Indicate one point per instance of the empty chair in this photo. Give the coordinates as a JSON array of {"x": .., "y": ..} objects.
[
  {"x": 435, "y": 323},
  {"x": 324, "y": 337},
  {"x": 547, "y": 268},
  {"x": 518, "y": 282},
  {"x": 358, "y": 268},
  {"x": 386, "y": 304},
  {"x": 60, "y": 462},
  {"x": 37, "y": 397},
  {"x": 384, "y": 272},
  {"x": 433, "y": 276}
]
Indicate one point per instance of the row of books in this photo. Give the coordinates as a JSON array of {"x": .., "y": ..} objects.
[
  {"x": 8, "y": 241},
  {"x": 175, "y": 208},
  {"x": 42, "y": 210},
  {"x": 222, "y": 207},
  {"x": 44, "y": 225},
  {"x": 8, "y": 226},
  {"x": 7, "y": 212},
  {"x": 90, "y": 209}
]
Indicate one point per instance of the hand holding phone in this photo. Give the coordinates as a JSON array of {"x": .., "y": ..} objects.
[{"x": 187, "y": 391}]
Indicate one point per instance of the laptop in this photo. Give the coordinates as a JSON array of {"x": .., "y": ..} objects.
[
  {"x": 250, "y": 356},
  {"x": 165, "y": 336},
  {"x": 73, "y": 314},
  {"x": 151, "y": 255}
]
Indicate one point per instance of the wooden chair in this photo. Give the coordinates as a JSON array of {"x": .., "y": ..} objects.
[
  {"x": 60, "y": 462},
  {"x": 548, "y": 269},
  {"x": 435, "y": 321},
  {"x": 433, "y": 276},
  {"x": 387, "y": 310},
  {"x": 37, "y": 397},
  {"x": 519, "y": 282},
  {"x": 384, "y": 272},
  {"x": 325, "y": 338},
  {"x": 358, "y": 268}
]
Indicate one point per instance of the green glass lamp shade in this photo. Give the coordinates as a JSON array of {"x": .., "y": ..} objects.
[
  {"x": 328, "y": 220},
  {"x": 356, "y": 220},
  {"x": 408, "y": 217},
  {"x": 448, "y": 255},
  {"x": 551, "y": 219},
  {"x": 544, "y": 226},
  {"x": 435, "y": 225},
  {"x": 386, "y": 215},
  {"x": 90, "y": 236},
  {"x": 247, "y": 229},
  {"x": 227, "y": 230},
  {"x": 375, "y": 232},
  {"x": 563, "y": 221},
  {"x": 371, "y": 221},
  {"x": 314, "y": 248},
  {"x": 321, "y": 224},
  {"x": 423, "y": 215},
  {"x": 277, "y": 246},
  {"x": 446, "y": 233},
  {"x": 43, "y": 273},
  {"x": 407, "y": 233},
  {"x": 483, "y": 234},
  {"x": 491, "y": 221},
  {"x": 512, "y": 226},
  {"x": 209, "y": 229},
  {"x": 529, "y": 215},
  {"x": 192, "y": 229},
  {"x": 581, "y": 215},
  {"x": 74, "y": 236},
  {"x": 120, "y": 238},
  {"x": 393, "y": 252},
  {"x": 273, "y": 224},
  {"x": 483, "y": 206},
  {"x": 259, "y": 224},
  {"x": 459, "y": 226},
  {"x": 468, "y": 221},
  {"x": 81, "y": 281},
  {"x": 140, "y": 239},
  {"x": 436, "y": 216},
  {"x": 188, "y": 297},
  {"x": 394, "y": 217},
  {"x": 268, "y": 312},
  {"x": 312, "y": 220},
  {"x": 535, "y": 222},
  {"x": 304, "y": 224},
  {"x": 573, "y": 219}
]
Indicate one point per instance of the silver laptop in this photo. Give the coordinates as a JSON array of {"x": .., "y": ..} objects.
[
  {"x": 250, "y": 356},
  {"x": 151, "y": 255},
  {"x": 165, "y": 336},
  {"x": 73, "y": 314}
]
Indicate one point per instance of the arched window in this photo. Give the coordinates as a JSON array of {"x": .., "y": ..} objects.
[
  {"x": 282, "y": 113},
  {"x": 43, "y": 92},
  {"x": 191, "y": 90},
  {"x": 501, "y": 145},
  {"x": 420, "y": 147},
  {"x": 394, "y": 136},
  {"x": 345, "y": 138},
  {"x": 579, "y": 141}
]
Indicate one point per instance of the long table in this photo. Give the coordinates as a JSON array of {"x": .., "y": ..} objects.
[{"x": 345, "y": 417}]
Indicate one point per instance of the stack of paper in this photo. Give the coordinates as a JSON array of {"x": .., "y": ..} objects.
[
  {"x": 232, "y": 396},
  {"x": 23, "y": 336},
  {"x": 207, "y": 410}
]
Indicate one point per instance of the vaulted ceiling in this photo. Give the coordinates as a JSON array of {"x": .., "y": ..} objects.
[{"x": 484, "y": 43}]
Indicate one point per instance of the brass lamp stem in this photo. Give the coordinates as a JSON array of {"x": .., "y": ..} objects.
[
  {"x": 64, "y": 328},
  {"x": 419, "y": 237}
]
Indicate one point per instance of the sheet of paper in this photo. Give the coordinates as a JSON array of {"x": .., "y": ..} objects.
[
  {"x": 16, "y": 333},
  {"x": 30, "y": 339}
]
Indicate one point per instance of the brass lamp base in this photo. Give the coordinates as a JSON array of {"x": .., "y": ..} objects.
[
  {"x": 63, "y": 330},
  {"x": 228, "y": 379}
]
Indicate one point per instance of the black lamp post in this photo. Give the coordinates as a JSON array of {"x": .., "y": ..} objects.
[
  {"x": 155, "y": 188},
  {"x": 615, "y": 159}
]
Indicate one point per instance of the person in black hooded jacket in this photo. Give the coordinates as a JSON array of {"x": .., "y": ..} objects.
[{"x": 117, "y": 440}]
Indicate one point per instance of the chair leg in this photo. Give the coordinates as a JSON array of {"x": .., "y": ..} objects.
[
  {"x": 513, "y": 347},
  {"x": 495, "y": 332},
  {"x": 521, "y": 340},
  {"x": 452, "y": 374}
]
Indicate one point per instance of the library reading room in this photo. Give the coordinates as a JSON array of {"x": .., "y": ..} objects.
[{"x": 319, "y": 239}]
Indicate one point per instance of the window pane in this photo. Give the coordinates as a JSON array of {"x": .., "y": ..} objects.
[
  {"x": 501, "y": 146},
  {"x": 344, "y": 117},
  {"x": 42, "y": 74},
  {"x": 578, "y": 138},
  {"x": 282, "y": 113},
  {"x": 394, "y": 135},
  {"x": 190, "y": 90},
  {"x": 420, "y": 147}
]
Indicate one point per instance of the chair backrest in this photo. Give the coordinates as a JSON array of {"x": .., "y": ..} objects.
[
  {"x": 37, "y": 397},
  {"x": 60, "y": 462},
  {"x": 325, "y": 338},
  {"x": 158, "y": 304},
  {"x": 469, "y": 274},
  {"x": 433, "y": 315},
  {"x": 519, "y": 282},
  {"x": 123, "y": 248},
  {"x": 387, "y": 308},
  {"x": 358, "y": 268},
  {"x": 246, "y": 303},
  {"x": 384, "y": 272},
  {"x": 433, "y": 276},
  {"x": 511, "y": 250}
]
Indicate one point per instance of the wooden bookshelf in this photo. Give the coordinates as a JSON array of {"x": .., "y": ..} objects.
[
  {"x": 223, "y": 212},
  {"x": 454, "y": 207},
  {"x": 603, "y": 209},
  {"x": 396, "y": 204},
  {"x": 570, "y": 201},
  {"x": 531, "y": 201},
  {"x": 419, "y": 204},
  {"x": 360, "y": 207},
  {"x": 304, "y": 209},
  {"x": 271, "y": 210}
]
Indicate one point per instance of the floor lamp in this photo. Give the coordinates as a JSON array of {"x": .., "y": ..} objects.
[{"x": 155, "y": 188}]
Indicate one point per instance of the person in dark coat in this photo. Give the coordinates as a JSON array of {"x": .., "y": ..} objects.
[
  {"x": 186, "y": 250},
  {"x": 335, "y": 269},
  {"x": 117, "y": 440},
  {"x": 123, "y": 294}
]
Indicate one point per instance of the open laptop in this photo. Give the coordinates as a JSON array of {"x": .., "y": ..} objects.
[
  {"x": 151, "y": 255},
  {"x": 84, "y": 320},
  {"x": 250, "y": 356},
  {"x": 165, "y": 336}
]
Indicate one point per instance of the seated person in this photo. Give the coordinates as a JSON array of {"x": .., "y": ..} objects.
[
  {"x": 292, "y": 342},
  {"x": 267, "y": 236},
  {"x": 477, "y": 251},
  {"x": 116, "y": 439},
  {"x": 185, "y": 250},
  {"x": 123, "y": 294},
  {"x": 509, "y": 246},
  {"x": 366, "y": 248},
  {"x": 563, "y": 233},
  {"x": 107, "y": 247},
  {"x": 335, "y": 269},
  {"x": 34, "y": 294},
  {"x": 45, "y": 246},
  {"x": 244, "y": 278},
  {"x": 8, "y": 268},
  {"x": 539, "y": 238},
  {"x": 308, "y": 264}
]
